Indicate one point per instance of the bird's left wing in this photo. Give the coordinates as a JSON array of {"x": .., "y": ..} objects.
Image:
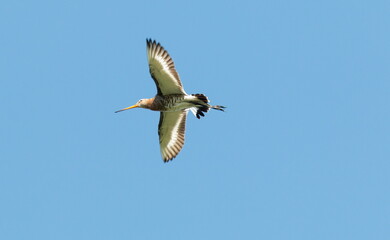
[
  {"x": 162, "y": 69},
  {"x": 171, "y": 131}
]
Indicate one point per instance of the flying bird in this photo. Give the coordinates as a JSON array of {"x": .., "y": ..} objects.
[{"x": 171, "y": 101}]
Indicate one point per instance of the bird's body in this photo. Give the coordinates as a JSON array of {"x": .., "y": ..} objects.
[{"x": 171, "y": 101}]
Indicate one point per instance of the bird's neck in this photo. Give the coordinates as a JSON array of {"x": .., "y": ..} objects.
[{"x": 149, "y": 103}]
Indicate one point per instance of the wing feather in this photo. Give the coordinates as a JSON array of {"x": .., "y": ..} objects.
[
  {"x": 162, "y": 69},
  {"x": 171, "y": 131}
]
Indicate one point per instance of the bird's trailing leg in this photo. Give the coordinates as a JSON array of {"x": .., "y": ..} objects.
[{"x": 218, "y": 107}]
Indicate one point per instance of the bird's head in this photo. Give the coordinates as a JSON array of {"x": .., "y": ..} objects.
[{"x": 142, "y": 103}]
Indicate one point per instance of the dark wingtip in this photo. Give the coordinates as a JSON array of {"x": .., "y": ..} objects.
[
  {"x": 168, "y": 160},
  {"x": 150, "y": 42}
]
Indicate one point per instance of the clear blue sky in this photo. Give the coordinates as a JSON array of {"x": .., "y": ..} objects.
[{"x": 302, "y": 152}]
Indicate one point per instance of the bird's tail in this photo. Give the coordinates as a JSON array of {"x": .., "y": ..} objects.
[
  {"x": 201, "y": 97},
  {"x": 200, "y": 110}
]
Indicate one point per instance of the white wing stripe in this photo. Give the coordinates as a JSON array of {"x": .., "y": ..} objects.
[{"x": 175, "y": 131}]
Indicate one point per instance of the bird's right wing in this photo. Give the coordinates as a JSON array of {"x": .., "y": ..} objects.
[
  {"x": 162, "y": 69},
  {"x": 171, "y": 131}
]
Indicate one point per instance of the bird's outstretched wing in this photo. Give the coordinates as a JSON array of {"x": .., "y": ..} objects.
[
  {"x": 171, "y": 130},
  {"x": 162, "y": 69}
]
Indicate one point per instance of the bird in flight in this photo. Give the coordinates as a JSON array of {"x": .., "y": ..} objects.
[{"x": 171, "y": 101}]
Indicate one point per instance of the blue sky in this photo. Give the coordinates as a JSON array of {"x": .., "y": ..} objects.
[{"x": 302, "y": 151}]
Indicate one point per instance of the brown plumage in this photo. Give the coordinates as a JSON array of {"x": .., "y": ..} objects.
[{"x": 171, "y": 101}]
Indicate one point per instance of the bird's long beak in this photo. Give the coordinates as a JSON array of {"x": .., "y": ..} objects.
[{"x": 134, "y": 106}]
